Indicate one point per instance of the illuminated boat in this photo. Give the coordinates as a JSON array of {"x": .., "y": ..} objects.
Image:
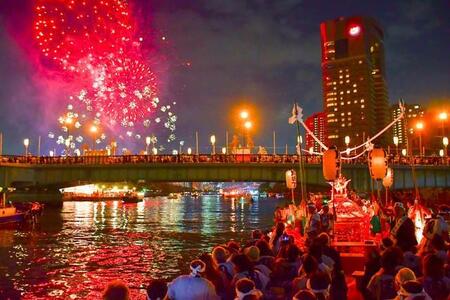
[{"x": 131, "y": 198}]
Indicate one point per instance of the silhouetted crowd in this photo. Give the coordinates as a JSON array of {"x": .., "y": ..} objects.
[
  {"x": 275, "y": 265},
  {"x": 207, "y": 158}
]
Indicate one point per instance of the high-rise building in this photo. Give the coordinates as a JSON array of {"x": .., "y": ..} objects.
[
  {"x": 401, "y": 129},
  {"x": 318, "y": 125},
  {"x": 354, "y": 86}
]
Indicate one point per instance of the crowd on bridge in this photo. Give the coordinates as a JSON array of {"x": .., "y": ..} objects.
[
  {"x": 282, "y": 263},
  {"x": 210, "y": 158}
]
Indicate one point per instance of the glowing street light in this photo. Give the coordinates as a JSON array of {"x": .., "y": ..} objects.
[
  {"x": 212, "y": 139},
  {"x": 443, "y": 116},
  {"x": 445, "y": 143},
  {"x": 154, "y": 151},
  {"x": 26, "y": 143},
  {"x": 189, "y": 151},
  {"x": 243, "y": 114},
  {"x": 113, "y": 147},
  {"x": 148, "y": 141},
  {"x": 224, "y": 150},
  {"x": 93, "y": 129},
  {"x": 419, "y": 126},
  {"x": 248, "y": 124}
]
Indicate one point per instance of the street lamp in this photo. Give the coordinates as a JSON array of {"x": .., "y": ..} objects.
[
  {"x": 148, "y": 141},
  {"x": 154, "y": 151},
  {"x": 395, "y": 138},
  {"x": 243, "y": 114},
  {"x": 114, "y": 147},
  {"x": 213, "y": 144},
  {"x": 445, "y": 143},
  {"x": 224, "y": 150},
  {"x": 189, "y": 151},
  {"x": 93, "y": 130},
  {"x": 419, "y": 127},
  {"x": 26, "y": 143}
]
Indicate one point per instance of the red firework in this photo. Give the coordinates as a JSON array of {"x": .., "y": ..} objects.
[
  {"x": 124, "y": 90},
  {"x": 76, "y": 32},
  {"x": 95, "y": 40}
]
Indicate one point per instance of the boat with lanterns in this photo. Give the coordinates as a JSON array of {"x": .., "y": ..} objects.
[{"x": 13, "y": 216}]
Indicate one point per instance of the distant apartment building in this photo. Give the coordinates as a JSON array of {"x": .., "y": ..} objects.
[
  {"x": 355, "y": 96},
  {"x": 318, "y": 125}
]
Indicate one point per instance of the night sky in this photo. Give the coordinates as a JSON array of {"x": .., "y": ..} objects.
[{"x": 212, "y": 55}]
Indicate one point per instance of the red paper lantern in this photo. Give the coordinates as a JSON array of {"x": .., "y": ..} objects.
[
  {"x": 330, "y": 164},
  {"x": 291, "y": 179},
  {"x": 378, "y": 163}
]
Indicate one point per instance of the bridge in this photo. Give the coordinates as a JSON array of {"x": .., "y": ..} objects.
[{"x": 57, "y": 172}]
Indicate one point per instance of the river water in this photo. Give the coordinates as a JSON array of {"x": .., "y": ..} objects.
[{"x": 77, "y": 249}]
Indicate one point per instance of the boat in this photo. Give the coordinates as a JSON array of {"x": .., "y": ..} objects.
[
  {"x": 12, "y": 216},
  {"x": 131, "y": 198},
  {"x": 174, "y": 196}
]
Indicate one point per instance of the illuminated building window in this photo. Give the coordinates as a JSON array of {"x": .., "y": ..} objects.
[
  {"x": 362, "y": 100},
  {"x": 354, "y": 85},
  {"x": 341, "y": 92},
  {"x": 343, "y": 125},
  {"x": 349, "y": 102},
  {"x": 347, "y": 76},
  {"x": 362, "y": 106},
  {"x": 340, "y": 76},
  {"x": 340, "y": 71},
  {"x": 371, "y": 49},
  {"x": 342, "y": 103},
  {"x": 349, "y": 113},
  {"x": 355, "y": 90},
  {"x": 348, "y": 91},
  {"x": 341, "y": 82},
  {"x": 347, "y": 81},
  {"x": 359, "y": 61}
]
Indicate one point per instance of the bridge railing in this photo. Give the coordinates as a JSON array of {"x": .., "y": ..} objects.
[{"x": 202, "y": 158}]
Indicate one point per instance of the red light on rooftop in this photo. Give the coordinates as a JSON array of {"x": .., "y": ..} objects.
[{"x": 354, "y": 30}]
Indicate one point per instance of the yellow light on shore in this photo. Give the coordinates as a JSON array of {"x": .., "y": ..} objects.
[
  {"x": 248, "y": 124},
  {"x": 93, "y": 129},
  {"x": 189, "y": 151},
  {"x": 443, "y": 116},
  {"x": 26, "y": 142},
  {"x": 224, "y": 150},
  {"x": 445, "y": 141},
  {"x": 212, "y": 139}
]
